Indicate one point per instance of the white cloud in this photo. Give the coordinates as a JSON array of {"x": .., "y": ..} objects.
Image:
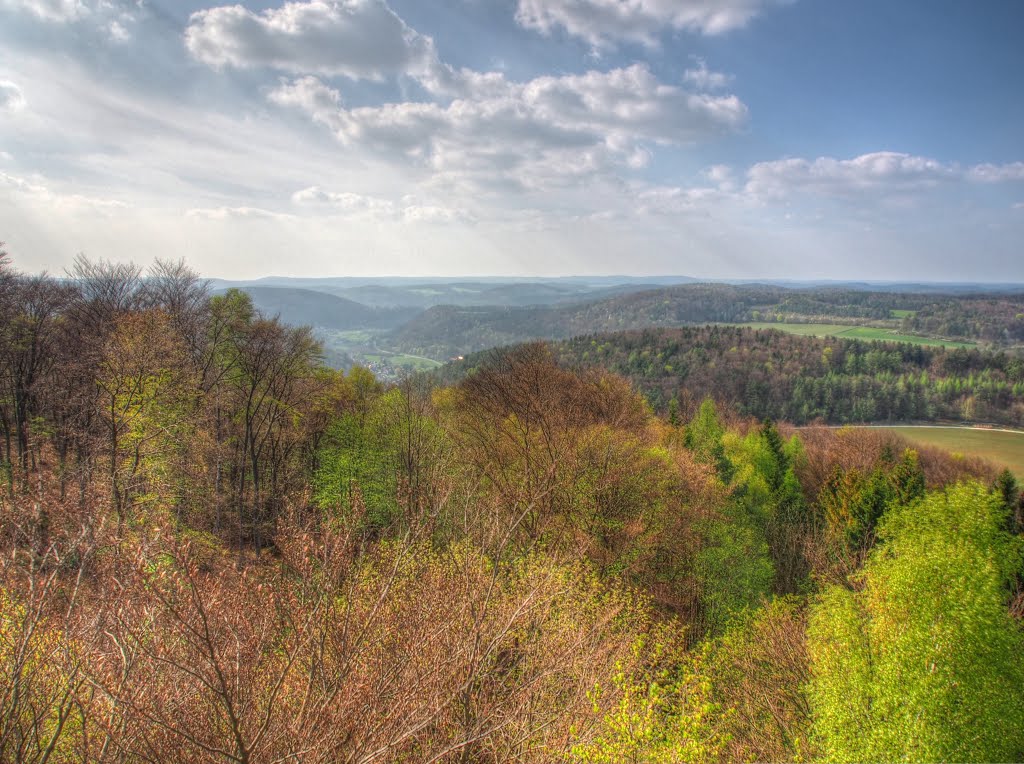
[
  {"x": 883, "y": 171},
  {"x": 722, "y": 176},
  {"x": 603, "y": 22},
  {"x": 351, "y": 205},
  {"x": 118, "y": 32},
  {"x": 310, "y": 95},
  {"x": 38, "y": 191},
  {"x": 11, "y": 98},
  {"x": 111, "y": 18},
  {"x": 360, "y": 39},
  {"x": 997, "y": 173},
  {"x": 543, "y": 132},
  {"x": 234, "y": 213},
  {"x": 671, "y": 200},
  {"x": 50, "y": 10},
  {"x": 345, "y": 202},
  {"x": 703, "y": 78}
]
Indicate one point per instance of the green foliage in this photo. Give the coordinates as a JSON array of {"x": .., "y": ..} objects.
[
  {"x": 733, "y": 568},
  {"x": 661, "y": 716},
  {"x": 359, "y": 465},
  {"x": 673, "y": 412},
  {"x": 801, "y": 379},
  {"x": 1008, "y": 491},
  {"x": 758, "y": 675},
  {"x": 851, "y": 503},
  {"x": 767, "y": 493},
  {"x": 923, "y": 662},
  {"x": 704, "y": 437},
  {"x": 37, "y": 722}
]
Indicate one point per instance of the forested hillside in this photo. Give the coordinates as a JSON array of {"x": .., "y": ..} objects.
[
  {"x": 216, "y": 549},
  {"x": 444, "y": 331},
  {"x": 766, "y": 373},
  {"x": 307, "y": 307}
]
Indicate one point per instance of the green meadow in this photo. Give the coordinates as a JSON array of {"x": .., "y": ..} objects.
[
  {"x": 856, "y": 333},
  {"x": 998, "y": 446}
]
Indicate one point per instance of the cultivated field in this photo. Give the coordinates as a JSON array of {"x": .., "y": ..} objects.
[
  {"x": 998, "y": 446},
  {"x": 856, "y": 333}
]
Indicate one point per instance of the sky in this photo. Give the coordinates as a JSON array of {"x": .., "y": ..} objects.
[{"x": 808, "y": 139}]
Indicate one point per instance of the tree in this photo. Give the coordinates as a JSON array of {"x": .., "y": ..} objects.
[
  {"x": 704, "y": 437},
  {"x": 758, "y": 672},
  {"x": 922, "y": 661},
  {"x": 268, "y": 371},
  {"x": 29, "y": 352},
  {"x": 1006, "y": 488},
  {"x": 146, "y": 405}
]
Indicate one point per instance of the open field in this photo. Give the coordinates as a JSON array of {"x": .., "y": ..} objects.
[
  {"x": 419, "y": 363},
  {"x": 1001, "y": 447},
  {"x": 856, "y": 333}
]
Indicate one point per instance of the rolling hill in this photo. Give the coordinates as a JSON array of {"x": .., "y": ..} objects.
[{"x": 319, "y": 309}]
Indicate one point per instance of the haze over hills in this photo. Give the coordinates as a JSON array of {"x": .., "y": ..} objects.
[
  {"x": 411, "y": 321},
  {"x": 308, "y": 307}
]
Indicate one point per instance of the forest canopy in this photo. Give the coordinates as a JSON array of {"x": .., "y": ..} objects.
[{"x": 215, "y": 548}]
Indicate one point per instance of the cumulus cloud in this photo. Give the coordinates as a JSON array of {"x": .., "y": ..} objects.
[
  {"x": 479, "y": 129},
  {"x": 309, "y": 95},
  {"x": 997, "y": 173},
  {"x": 604, "y": 22},
  {"x": 703, "y": 78},
  {"x": 49, "y": 10},
  {"x": 234, "y": 213},
  {"x": 673, "y": 200},
  {"x": 534, "y": 134},
  {"x": 433, "y": 214},
  {"x": 360, "y": 39},
  {"x": 113, "y": 19},
  {"x": 359, "y": 206},
  {"x": 722, "y": 176},
  {"x": 344, "y": 202},
  {"x": 11, "y": 98},
  {"x": 38, "y": 190},
  {"x": 883, "y": 171}
]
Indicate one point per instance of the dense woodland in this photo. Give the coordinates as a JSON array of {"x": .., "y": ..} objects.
[
  {"x": 766, "y": 373},
  {"x": 216, "y": 549}
]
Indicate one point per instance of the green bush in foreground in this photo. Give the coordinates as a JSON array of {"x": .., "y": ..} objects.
[{"x": 922, "y": 663}]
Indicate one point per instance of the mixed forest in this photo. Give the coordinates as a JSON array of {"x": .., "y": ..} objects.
[
  {"x": 767, "y": 373},
  {"x": 216, "y": 548}
]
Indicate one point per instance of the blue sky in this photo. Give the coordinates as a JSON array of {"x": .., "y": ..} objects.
[{"x": 716, "y": 138}]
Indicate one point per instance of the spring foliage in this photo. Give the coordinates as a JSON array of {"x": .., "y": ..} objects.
[
  {"x": 922, "y": 661},
  {"x": 214, "y": 549}
]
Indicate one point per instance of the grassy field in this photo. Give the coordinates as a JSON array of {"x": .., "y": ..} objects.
[
  {"x": 856, "y": 333},
  {"x": 999, "y": 447},
  {"x": 900, "y": 313},
  {"x": 416, "y": 362}
]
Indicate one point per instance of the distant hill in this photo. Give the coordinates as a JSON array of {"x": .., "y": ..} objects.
[
  {"x": 469, "y": 293},
  {"x": 442, "y": 332},
  {"x": 476, "y": 293},
  {"x": 768, "y": 373},
  {"x": 319, "y": 309}
]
